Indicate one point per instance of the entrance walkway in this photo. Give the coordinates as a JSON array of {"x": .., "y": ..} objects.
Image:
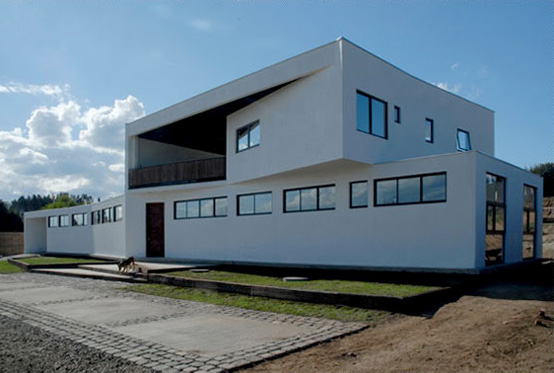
[{"x": 167, "y": 335}]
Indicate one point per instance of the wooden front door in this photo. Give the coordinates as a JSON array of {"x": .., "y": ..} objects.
[{"x": 155, "y": 230}]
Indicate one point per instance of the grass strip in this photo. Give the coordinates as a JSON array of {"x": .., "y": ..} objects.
[
  {"x": 6, "y": 267},
  {"x": 341, "y": 313},
  {"x": 339, "y": 286},
  {"x": 56, "y": 260}
]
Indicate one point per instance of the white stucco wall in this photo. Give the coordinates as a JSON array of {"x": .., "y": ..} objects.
[{"x": 417, "y": 100}]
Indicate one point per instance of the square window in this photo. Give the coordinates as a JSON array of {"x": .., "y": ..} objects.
[
  {"x": 462, "y": 141},
  {"x": 292, "y": 200},
  {"x": 262, "y": 202},
  {"x": 308, "y": 199},
  {"x": 207, "y": 208},
  {"x": 248, "y": 136},
  {"x": 434, "y": 188},
  {"x": 385, "y": 192},
  {"x": 221, "y": 206},
  {"x": 358, "y": 194},
  {"x": 327, "y": 198},
  {"x": 193, "y": 209},
  {"x": 246, "y": 205},
  {"x": 180, "y": 210},
  {"x": 409, "y": 190}
]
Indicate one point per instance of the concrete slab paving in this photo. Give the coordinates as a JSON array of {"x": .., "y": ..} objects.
[{"x": 173, "y": 335}]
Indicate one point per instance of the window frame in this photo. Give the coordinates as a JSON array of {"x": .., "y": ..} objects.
[
  {"x": 253, "y": 195},
  {"x": 397, "y": 114},
  {"x": 458, "y": 148},
  {"x": 55, "y": 218},
  {"x": 109, "y": 217},
  {"x": 527, "y": 213},
  {"x": 115, "y": 217},
  {"x": 421, "y": 201},
  {"x": 431, "y": 124},
  {"x": 248, "y": 128},
  {"x": 65, "y": 224},
  {"x": 370, "y": 109},
  {"x": 84, "y": 217},
  {"x": 495, "y": 205},
  {"x": 317, "y": 194},
  {"x": 199, "y": 200},
  {"x": 367, "y": 186}
]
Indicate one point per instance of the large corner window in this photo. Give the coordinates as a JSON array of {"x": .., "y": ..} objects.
[
  {"x": 496, "y": 219},
  {"x": 310, "y": 199},
  {"x": 462, "y": 141},
  {"x": 429, "y": 188},
  {"x": 254, "y": 204},
  {"x": 529, "y": 221},
  {"x": 53, "y": 222},
  {"x": 79, "y": 219},
  {"x": 429, "y": 130},
  {"x": 201, "y": 208},
  {"x": 371, "y": 115},
  {"x": 248, "y": 136},
  {"x": 358, "y": 194}
]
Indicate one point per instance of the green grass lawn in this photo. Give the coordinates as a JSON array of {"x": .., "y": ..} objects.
[
  {"x": 6, "y": 267},
  {"x": 341, "y": 313},
  {"x": 339, "y": 286},
  {"x": 56, "y": 260}
]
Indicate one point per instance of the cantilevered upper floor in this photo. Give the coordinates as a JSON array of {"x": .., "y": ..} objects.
[{"x": 334, "y": 102}]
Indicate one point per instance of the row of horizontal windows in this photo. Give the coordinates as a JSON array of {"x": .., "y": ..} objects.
[
  {"x": 106, "y": 215},
  {"x": 372, "y": 118},
  {"x": 201, "y": 208}
]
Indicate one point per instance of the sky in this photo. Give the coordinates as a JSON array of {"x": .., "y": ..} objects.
[{"x": 72, "y": 73}]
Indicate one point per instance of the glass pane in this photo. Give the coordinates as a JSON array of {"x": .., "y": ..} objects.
[
  {"x": 207, "y": 208},
  {"x": 106, "y": 215},
  {"x": 495, "y": 188},
  {"x": 77, "y": 219},
  {"x": 499, "y": 223},
  {"x": 362, "y": 113},
  {"x": 378, "y": 118},
  {"x": 246, "y": 205},
  {"x": 528, "y": 246},
  {"x": 428, "y": 130},
  {"x": 408, "y": 190},
  {"x": 180, "y": 210},
  {"x": 221, "y": 206},
  {"x": 255, "y": 134},
  {"x": 490, "y": 218},
  {"x": 463, "y": 141},
  {"x": 327, "y": 198},
  {"x": 292, "y": 200},
  {"x": 53, "y": 221},
  {"x": 397, "y": 114},
  {"x": 434, "y": 188},
  {"x": 529, "y": 198},
  {"x": 85, "y": 219},
  {"x": 358, "y": 194},
  {"x": 494, "y": 245},
  {"x": 193, "y": 209},
  {"x": 386, "y": 192},
  {"x": 263, "y": 203},
  {"x": 532, "y": 221},
  {"x": 242, "y": 138},
  {"x": 308, "y": 198},
  {"x": 64, "y": 220}
]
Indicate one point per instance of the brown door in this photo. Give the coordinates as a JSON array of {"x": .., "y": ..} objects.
[{"x": 154, "y": 229}]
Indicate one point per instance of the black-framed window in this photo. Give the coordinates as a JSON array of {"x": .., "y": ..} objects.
[
  {"x": 96, "y": 217},
  {"x": 309, "y": 199},
  {"x": 79, "y": 219},
  {"x": 396, "y": 114},
  {"x": 371, "y": 115},
  {"x": 118, "y": 213},
  {"x": 53, "y": 221},
  {"x": 64, "y": 220},
  {"x": 405, "y": 190},
  {"x": 358, "y": 194},
  {"x": 254, "y": 204},
  {"x": 200, "y": 208},
  {"x": 248, "y": 136},
  {"x": 529, "y": 221},
  {"x": 463, "y": 144},
  {"x": 429, "y": 130},
  {"x": 106, "y": 215},
  {"x": 496, "y": 219}
]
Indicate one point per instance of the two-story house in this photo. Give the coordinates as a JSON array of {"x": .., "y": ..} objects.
[{"x": 333, "y": 158}]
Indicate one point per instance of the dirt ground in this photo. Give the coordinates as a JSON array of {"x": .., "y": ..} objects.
[{"x": 490, "y": 330}]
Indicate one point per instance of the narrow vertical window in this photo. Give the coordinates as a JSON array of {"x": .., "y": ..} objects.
[
  {"x": 362, "y": 113},
  {"x": 397, "y": 114},
  {"x": 118, "y": 213},
  {"x": 496, "y": 219},
  {"x": 529, "y": 221},
  {"x": 429, "y": 130},
  {"x": 462, "y": 141}
]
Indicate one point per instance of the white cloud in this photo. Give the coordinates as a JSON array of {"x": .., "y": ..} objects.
[
  {"x": 202, "y": 24},
  {"x": 65, "y": 148},
  {"x": 454, "y": 66},
  {"x": 46, "y": 89},
  {"x": 450, "y": 88}
]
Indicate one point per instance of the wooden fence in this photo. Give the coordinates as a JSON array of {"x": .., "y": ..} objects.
[{"x": 11, "y": 243}]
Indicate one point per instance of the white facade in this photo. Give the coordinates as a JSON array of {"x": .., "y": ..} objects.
[{"x": 300, "y": 122}]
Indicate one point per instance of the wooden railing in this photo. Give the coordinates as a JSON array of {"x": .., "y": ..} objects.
[{"x": 178, "y": 173}]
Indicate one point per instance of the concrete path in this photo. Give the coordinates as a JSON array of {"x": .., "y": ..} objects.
[{"x": 164, "y": 334}]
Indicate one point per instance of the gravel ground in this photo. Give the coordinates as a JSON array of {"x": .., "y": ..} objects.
[{"x": 24, "y": 348}]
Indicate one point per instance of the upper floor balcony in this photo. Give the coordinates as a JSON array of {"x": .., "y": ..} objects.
[{"x": 178, "y": 173}]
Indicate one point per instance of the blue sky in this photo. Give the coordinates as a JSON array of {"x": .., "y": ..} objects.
[{"x": 72, "y": 73}]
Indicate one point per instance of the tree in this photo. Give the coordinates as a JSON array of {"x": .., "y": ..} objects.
[
  {"x": 9, "y": 221},
  {"x": 63, "y": 200},
  {"x": 546, "y": 170}
]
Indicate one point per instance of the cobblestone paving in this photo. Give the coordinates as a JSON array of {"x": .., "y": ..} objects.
[{"x": 157, "y": 356}]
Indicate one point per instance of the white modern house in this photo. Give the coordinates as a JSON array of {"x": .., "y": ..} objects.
[{"x": 331, "y": 159}]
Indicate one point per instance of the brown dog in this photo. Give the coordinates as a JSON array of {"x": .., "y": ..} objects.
[{"x": 126, "y": 265}]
